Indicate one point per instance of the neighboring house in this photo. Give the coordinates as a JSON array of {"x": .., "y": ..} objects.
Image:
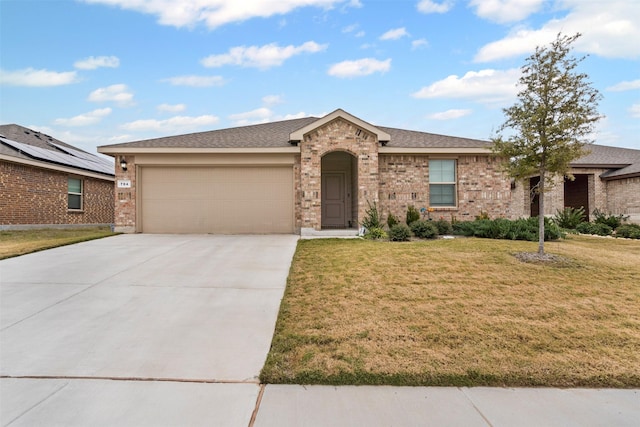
[
  {"x": 45, "y": 182},
  {"x": 303, "y": 176},
  {"x": 607, "y": 179}
]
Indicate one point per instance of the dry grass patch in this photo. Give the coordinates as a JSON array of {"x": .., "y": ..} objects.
[
  {"x": 460, "y": 312},
  {"x": 20, "y": 242}
]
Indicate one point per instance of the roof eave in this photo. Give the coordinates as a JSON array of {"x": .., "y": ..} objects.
[
  {"x": 434, "y": 150},
  {"x": 113, "y": 150},
  {"x": 56, "y": 167}
]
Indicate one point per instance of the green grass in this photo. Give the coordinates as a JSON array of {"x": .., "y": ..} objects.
[
  {"x": 20, "y": 242},
  {"x": 461, "y": 312}
]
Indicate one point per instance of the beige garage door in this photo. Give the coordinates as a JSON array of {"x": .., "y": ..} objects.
[{"x": 222, "y": 200}]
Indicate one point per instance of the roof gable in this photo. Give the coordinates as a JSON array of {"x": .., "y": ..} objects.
[{"x": 298, "y": 135}]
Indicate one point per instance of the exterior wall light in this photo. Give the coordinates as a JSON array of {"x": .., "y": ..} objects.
[{"x": 123, "y": 163}]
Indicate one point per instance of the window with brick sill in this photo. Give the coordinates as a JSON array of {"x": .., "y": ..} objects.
[
  {"x": 74, "y": 194},
  {"x": 442, "y": 183}
]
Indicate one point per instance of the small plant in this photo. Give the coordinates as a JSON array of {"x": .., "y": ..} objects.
[
  {"x": 569, "y": 218},
  {"x": 400, "y": 233},
  {"x": 412, "y": 215},
  {"x": 483, "y": 215},
  {"x": 392, "y": 220},
  {"x": 372, "y": 217},
  {"x": 613, "y": 221},
  {"x": 424, "y": 229},
  {"x": 375, "y": 233},
  {"x": 629, "y": 231},
  {"x": 444, "y": 227},
  {"x": 596, "y": 228}
]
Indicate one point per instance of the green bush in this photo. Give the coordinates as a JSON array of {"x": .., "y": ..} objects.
[
  {"x": 613, "y": 221},
  {"x": 372, "y": 217},
  {"x": 569, "y": 218},
  {"x": 375, "y": 233},
  {"x": 400, "y": 233},
  {"x": 392, "y": 220},
  {"x": 629, "y": 231},
  {"x": 424, "y": 229},
  {"x": 598, "y": 229},
  {"x": 412, "y": 215},
  {"x": 444, "y": 226},
  {"x": 519, "y": 229}
]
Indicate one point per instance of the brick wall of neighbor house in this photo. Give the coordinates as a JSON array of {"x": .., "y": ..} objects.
[
  {"x": 482, "y": 187},
  {"x": 623, "y": 197},
  {"x": 337, "y": 135},
  {"x": 33, "y": 196},
  {"x": 125, "y": 198}
]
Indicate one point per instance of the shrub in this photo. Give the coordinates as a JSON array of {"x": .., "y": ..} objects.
[
  {"x": 630, "y": 231},
  {"x": 412, "y": 215},
  {"x": 392, "y": 220},
  {"x": 443, "y": 226},
  {"x": 594, "y": 228},
  {"x": 399, "y": 233},
  {"x": 569, "y": 217},
  {"x": 372, "y": 217},
  {"x": 375, "y": 233},
  {"x": 424, "y": 229},
  {"x": 519, "y": 229},
  {"x": 613, "y": 221}
]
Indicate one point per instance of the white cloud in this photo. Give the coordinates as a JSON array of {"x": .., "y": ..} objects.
[
  {"x": 114, "y": 93},
  {"x": 85, "y": 119},
  {"x": 37, "y": 78},
  {"x": 429, "y": 6},
  {"x": 177, "y": 123},
  {"x": 449, "y": 114},
  {"x": 360, "y": 34},
  {"x": 214, "y": 13},
  {"x": 196, "y": 81},
  {"x": 419, "y": 43},
  {"x": 259, "y": 115},
  {"x": 263, "y": 57},
  {"x": 634, "y": 110},
  {"x": 624, "y": 86},
  {"x": 360, "y": 67},
  {"x": 93, "y": 62},
  {"x": 395, "y": 34},
  {"x": 350, "y": 28},
  {"x": 171, "y": 108},
  {"x": 483, "y": 86},
  {"x": 272, "y": 99},
  {"x": 611, "y": 32},
  {"x": 504, "y": 11}
]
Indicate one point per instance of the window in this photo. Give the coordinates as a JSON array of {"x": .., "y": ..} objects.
[
  {"x": 442, "y": 183},
  {"x": 74, "y": 197}
]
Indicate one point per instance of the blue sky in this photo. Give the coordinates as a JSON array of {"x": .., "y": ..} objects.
[{"x": 96, "y": 72}]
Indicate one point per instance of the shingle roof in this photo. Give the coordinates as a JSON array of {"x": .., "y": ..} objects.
[
  {"x": 622, "y": 161},
  {"x": 24, "y": 143},
  {"x": 276, "y": 134}
]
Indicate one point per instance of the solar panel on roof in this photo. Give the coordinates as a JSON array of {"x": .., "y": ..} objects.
[{"x": 60, "y": 158}]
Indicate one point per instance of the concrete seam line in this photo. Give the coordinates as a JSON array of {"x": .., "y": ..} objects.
[
  {"x": 37, "y": 404},
  {"x": 475, "y": 407},
  {"x": 140, "y": 379},
  {"x": 257, "y": 408}
]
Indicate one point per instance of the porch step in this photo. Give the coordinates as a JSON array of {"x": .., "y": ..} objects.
[{"x": 310, "y": 233}]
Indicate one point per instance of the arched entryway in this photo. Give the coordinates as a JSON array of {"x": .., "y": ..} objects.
[{"x": 339, "y": 176}]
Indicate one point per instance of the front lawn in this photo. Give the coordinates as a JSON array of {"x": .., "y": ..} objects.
[
  {"x": 20, "y": 242},
  {"x": 460, "y": 312}
]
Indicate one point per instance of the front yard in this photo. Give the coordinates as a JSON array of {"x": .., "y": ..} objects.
[
  {"x": 459, "y": 312},
  {"x": 20, "y": 242}
]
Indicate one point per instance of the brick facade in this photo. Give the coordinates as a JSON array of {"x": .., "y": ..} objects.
[
  {"x": 623, "y": 197},
  {"x": 125, "y": 198},
  {"x": 337, "y": 135},
  {"x": 36, "y": 196}
]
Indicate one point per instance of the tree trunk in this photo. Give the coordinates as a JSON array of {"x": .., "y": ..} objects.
[{"x": 541, "y": 190}]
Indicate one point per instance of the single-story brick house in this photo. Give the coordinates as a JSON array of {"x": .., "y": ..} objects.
[
  {"x": 302, "y": 176},
  {"x": 45, "y": 182}
]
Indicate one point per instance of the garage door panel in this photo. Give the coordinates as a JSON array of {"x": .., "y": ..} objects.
[{"x": 217, "y": 199}]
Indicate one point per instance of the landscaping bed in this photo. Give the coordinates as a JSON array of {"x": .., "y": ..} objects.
[{"x": 460, "y": 312}]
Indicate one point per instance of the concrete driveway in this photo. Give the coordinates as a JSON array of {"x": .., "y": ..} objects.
[{"x": 154, "y": 310}]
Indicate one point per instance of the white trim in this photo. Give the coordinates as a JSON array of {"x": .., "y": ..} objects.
[
  {"x": 299, "y": 134},
  {"x": 57, "y": 168}
]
